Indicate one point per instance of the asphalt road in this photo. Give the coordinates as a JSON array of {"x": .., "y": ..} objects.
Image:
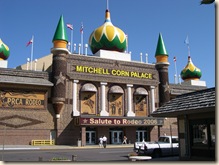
[{"x": 83, "y": 155}]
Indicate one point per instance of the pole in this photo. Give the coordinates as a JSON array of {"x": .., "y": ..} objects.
[
  {"x": 71, "y": 40},
  {"x": 141, "y": 56},
  {"x": 28, "y": 60},
  {"x": 82, "y": 43},
  {"x": 171, "y": 139},
  {"x": 175, "y": 76},
  {"x": 31, "y": 57},
  {"x": 146, "y": 58},
  {"x": 82, "y": 31},
  {"x": 127, "y": 43},
  {"x": 107, "y": 5}
]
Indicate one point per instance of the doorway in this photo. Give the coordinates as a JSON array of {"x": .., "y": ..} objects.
[
  {"x": 90, "y": 137},
  {"x": 116, "y": 137},
  {"x": 141, "y": 135}
]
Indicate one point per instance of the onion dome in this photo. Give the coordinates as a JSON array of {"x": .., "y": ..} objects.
[
  {"x": 161, "y": 53},
  {"x": 4, "y": 51},
  {"x": 60, "y": 38},
  {"x": 191, "y": 72},
  {"x": 107, "y": 37}
]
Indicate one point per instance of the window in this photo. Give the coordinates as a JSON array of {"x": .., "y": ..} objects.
[
  {"x": 200, "y": 134},
  {"x": 203, "y": 133},
  {"x": 175, "y": 140}
]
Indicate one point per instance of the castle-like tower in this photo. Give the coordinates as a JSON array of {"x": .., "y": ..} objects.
[
  {"x": 162, "y": 65},
  {"x": 59, "y": 70}
]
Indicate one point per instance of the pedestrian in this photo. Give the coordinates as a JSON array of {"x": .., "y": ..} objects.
[
  {"x": 124, "y": 140},
  {"x": 101, "y": 141},
  {"x": 104, "y": 141}
]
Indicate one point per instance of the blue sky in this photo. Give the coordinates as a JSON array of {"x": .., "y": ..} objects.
[{"x": 142, "y": 20}]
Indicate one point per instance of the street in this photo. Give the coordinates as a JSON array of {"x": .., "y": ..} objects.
[
  {"x": 88, "y": 155},
  {"x": 80, "y": 155}
]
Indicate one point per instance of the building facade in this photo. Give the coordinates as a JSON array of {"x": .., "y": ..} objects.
[{"x": 79, "y": 98}]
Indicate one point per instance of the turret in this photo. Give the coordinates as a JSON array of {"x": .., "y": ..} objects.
[
  {"x": 162, "y": 65},
  {"x": 59, "y": 67}
]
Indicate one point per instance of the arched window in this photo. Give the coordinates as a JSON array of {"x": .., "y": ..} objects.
[
  {"x": 88, "y": 99},
  {"x": 141, "y": 102},
  {"x": 116, "y": 101}
]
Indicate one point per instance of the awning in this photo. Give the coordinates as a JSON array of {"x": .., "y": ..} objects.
[
  {"x": 141, "y": 91},
  {"x": 116, "y": 89},
  {"x": 88, "y": 88},
  {"x": 24, "y": 80}
]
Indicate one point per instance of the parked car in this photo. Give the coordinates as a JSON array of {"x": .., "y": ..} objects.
[{"x": 166, "y": 145}]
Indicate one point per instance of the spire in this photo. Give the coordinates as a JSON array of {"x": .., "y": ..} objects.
[
  {"x": 161, "y": 53},
  {"x": 60, "y": 33},
  {"x": 107, "y": 16},
  {"x": 161, "y": 50}
]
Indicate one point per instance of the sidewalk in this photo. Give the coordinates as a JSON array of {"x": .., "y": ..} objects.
[{"x": 44, "y": 147}]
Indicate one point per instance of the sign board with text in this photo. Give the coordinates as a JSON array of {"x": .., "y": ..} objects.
[{"x": 123, "y": 121}]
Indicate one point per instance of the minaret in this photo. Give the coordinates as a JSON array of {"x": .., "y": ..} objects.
[
  {"x": 59, "y": 68},
  {"x": 162, "y": 65}
]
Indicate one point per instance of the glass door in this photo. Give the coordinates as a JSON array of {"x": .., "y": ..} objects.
[
  {"x": 90, "y": 137},
  {"x": 116, "y": 137},
  {"x": 141, "y": 135}
]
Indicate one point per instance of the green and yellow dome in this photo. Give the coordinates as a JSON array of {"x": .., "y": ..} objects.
[
  {"x": 107, "y": 37},
  {"x": 4, "y": 51},
  {"x": 191, "y": 72}
]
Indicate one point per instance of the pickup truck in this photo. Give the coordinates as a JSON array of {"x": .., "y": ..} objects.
[{"x": 166, "y": 145}]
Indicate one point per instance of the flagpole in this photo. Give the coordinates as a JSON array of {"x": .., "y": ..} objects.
[
  {"x": 175, "y": 70},
  {"x": 82, "y": 31},
  {"x": 71, "y": 39},
  {"x": 31, "y": 57},
  {"x": 127, "y": 43},
  {"x": 107, "y": 5},
  {"x": 187, "y": 43},
  {"x": 82, "y": 43}
]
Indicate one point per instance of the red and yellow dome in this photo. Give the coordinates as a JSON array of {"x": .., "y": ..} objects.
[{"x": 107, "y": 37}]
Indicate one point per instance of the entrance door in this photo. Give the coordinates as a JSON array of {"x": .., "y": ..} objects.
[
  {"x": 141, "y": 135},
  {"x": 116, "y": 137},
  {"x": 90, "y": 137}
]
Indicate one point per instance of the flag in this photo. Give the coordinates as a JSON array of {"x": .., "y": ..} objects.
[
  {"x": 30, "y": 42},
  {"x": 187, "y": 40},
  {"x": 70, "y": 26},
  {"x": 174, "y": 59},
  {"x": 82, "y": 28}
]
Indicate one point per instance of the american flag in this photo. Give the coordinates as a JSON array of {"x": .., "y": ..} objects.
[
  {"x": 30, "y": 42},
  {"x": 174, "y": 59},
  {"x": 70, "y": 26},
  {"x": 82, "y": 28}
]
